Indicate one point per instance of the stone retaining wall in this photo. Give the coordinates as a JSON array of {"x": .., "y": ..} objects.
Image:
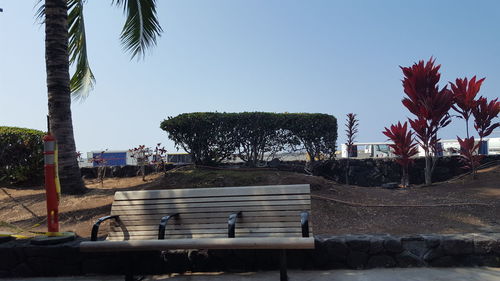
[
  {"x": 20, "y": 258},
  {"x": 377, "y": 171}
]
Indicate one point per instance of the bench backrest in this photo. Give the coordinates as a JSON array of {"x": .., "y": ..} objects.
[{"x": 267, "y": 211}]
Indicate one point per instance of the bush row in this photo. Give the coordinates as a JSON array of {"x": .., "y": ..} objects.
[
  {"x": 211, "y": 137},
  {"x": 21, "y": 155}
]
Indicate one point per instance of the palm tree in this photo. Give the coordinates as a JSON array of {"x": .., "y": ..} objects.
[{"x": 65, "y": 44}]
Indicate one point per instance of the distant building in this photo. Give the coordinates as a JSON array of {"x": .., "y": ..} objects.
[
  {"x": 368, "y": 150},
  {"x": 382, "y": 149},
  {"x": 179, "y": 158},
  {"x": 111, "y": 158}
]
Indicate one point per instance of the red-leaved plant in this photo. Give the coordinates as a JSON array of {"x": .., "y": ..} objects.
[
  {"x": 351, "y": 131},
  {"x": 468, "y": 151},
  {"x": 158, "y": 157},
  {"x": 429, "y": 105},
  {"x": 464, "y": 94},
  {"x": 484, "y": 112},
  {"x": 404, "y": 147}
]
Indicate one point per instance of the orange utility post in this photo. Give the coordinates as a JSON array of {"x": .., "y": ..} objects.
[{"x": 50, "y": 167}]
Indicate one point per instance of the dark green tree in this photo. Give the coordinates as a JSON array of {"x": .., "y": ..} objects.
[
  {"x": 316, "y": 132},
  {"x": 207, "y": 136}
]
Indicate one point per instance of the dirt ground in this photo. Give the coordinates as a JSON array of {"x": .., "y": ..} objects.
[{"x": 458, "y": 206}]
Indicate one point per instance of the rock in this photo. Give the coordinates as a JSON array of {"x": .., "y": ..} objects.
[
  {"x": 433, "y": 254},
  {"x": 381, "y": 261},
  {"x": 337, "y": 250},
  {"x": 457, "y": 246},
  {"x": 480, "y": 260},
  {"x": 360, "y": 243},
  {"x": 416, "y": 247},
  {"x": 408, "y": 259},
  {"x": 357, "y": 260},
  {"x": 4, "y": 274},
  {"x": 432, "y": 241},
  {"x": 22, "y": 270},
  {"x": 8, "y": 259},
  {"x": 446, "y": 261},
  {"x": 376, "y": 246},
  {"x": 484, "y": 246},
  {"x": 393, "y": 245}
]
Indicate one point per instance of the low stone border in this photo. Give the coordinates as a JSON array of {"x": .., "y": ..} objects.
[
  {"x": 20, "y": 258},
  {"x": 369, "y": 251}
]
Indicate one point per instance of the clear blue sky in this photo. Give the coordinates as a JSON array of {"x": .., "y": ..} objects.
[{"x": 330, "y": 57}]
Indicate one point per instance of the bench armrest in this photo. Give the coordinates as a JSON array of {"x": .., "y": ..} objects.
[
  {"x": 95, "y": 228},
  {"x": 163, "y": 224},
  {"x": 231, "y": 224},
  {"x": 304, "y": 223}
]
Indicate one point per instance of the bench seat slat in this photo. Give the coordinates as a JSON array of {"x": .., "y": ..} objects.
[
  {"x": 227, "y": 210},
  {"x": 220, "y": 225},
  {"x": 213, "y": 192},
  {"x": 207, "y": 243},
  {"x": 212, "y": 199},
  {"x": 212, "y": 204},
  {"x": 215, "y": 217},
  {"x": 199, "y": 236},
  {"x": 210, "y": 231}
]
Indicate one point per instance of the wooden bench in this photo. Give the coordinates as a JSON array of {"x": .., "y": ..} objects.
[{"x": 250, "y": 217}]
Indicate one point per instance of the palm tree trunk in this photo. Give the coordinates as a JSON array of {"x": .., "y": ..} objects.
[{"x": 59, "y": 96}]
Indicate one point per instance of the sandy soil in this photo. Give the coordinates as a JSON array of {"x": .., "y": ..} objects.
[{"x": 457, "y": 206}]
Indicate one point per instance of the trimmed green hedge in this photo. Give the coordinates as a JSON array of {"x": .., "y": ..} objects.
[
  {"x": 316, "y": 132},
  {"x": 21, "y": 155},
  {"x": 207, "y": 136},
  {"x": 212, "y": 137}
]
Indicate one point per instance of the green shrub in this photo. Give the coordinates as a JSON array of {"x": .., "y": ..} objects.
[
  {"x": 21, "y": 155},
  {"x": 207, "y": 136},
  {"x": 316, "y": 132},
  {"x": 259, "y": 134},
  {"x": 211, "y": 137}
]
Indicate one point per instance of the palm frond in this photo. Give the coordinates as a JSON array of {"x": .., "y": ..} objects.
[
  {"x": 141, "y": 27},
  {"x": 82, "y": 81},
  {"x": 40, "y": 12}
]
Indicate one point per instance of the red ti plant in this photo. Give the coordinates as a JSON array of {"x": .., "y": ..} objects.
[
  {"x": 464, "y": 94},
  {"x": 484, "y": 112},
  {"x": 404, "y": 147},
  {"x": 429, "y": 105},
  {"x": 351, "y": 131},
  {"x": 158, "y": 157},
  {"x": 468, "y": 149}
]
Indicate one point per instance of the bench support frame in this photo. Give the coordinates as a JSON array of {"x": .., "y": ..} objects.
[
  {"x": 283, "y": 275},
  {"x": 231, "y": 224},
  {"x": 95, "y": 227},
  {"x": 163, "y": 225}
]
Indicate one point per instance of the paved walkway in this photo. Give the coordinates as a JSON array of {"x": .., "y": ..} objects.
[{"x": 396, "y": 274}]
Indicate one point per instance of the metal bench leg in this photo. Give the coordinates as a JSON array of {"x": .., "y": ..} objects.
[{"x": 283, "y": 276}]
